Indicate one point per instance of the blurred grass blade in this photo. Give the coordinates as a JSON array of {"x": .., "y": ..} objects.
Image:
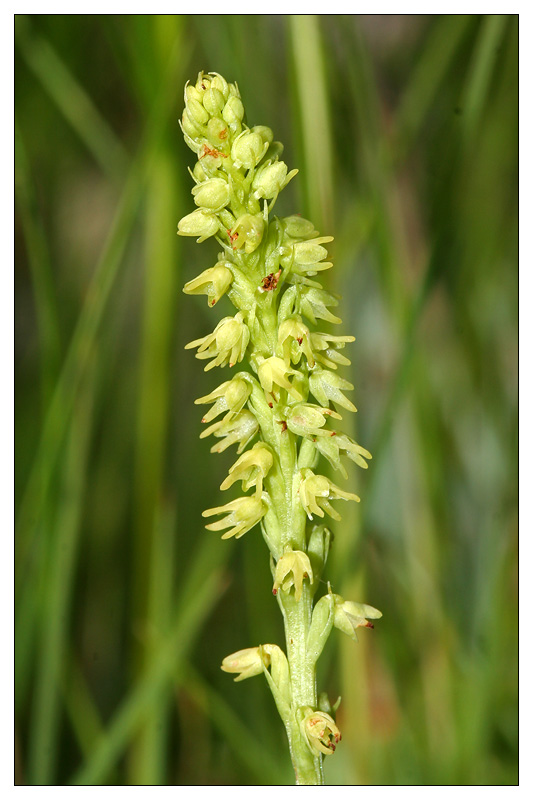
[
  {"x": 54, "y": 612},
  {"x": 439, "y": 54},
  {"x": 315, "y": 122},
  {"x": 71, "y": 99},
  {"x": 41, "y": 269},
  {"x": 481, "y": 71},
  {"x": 246, "y": 747},
  {"x": 89, "y": 321},
  {"x": 200, "y": 591}
]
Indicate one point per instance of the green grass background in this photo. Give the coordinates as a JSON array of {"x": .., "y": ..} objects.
[{"x": 404, "y": 129}]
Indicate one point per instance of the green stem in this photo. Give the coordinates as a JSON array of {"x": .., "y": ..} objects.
[{"x": 297, "y": 617}]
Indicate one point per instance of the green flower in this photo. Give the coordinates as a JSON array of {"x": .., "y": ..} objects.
[
  {"x": 315, "y": 493},
  {"x": 247, "y": 232},
  {"x": 251, "y": 468},
  {"x": 214, "y": 194},
  {"x": 242, "y": 514},
  {"x": 306, "y": 419},
  {"x": 214, "y": 282},
  {"x": 320, "y": 731},
  {"x": 337, "y": 444},
  {"x": 269, "y": 182},
  {"x": 326, "y": 386},
  {"x": 326, "y": 347},
  {"x": 201, "y": 223},
  {"x": 291, "y": 569},
  {"x": 273, "y": 375},
  {"x": 239, "y": 428},
  {"x": 294, "y": 339},
  {"x": 226, "y": 344},
  {"x": 350, "y": 616},
  {"x": 314, "y": 303},
  {"x": 230, "y": 396}
]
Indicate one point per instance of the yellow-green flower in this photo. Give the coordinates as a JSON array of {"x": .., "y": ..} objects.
[
  {"x": 326, "y": 386},
  {"x": 294, "y": 339},
  {"x": 201, "y": 223},
  {"x": 291, "y": 569},
  {"x": 315, "y": 493},
  {"x": 245, "y": 663},
  {"x": 230, "y": 396},
  {"x": 320, "y": 731},
  {"x": 226, "y": 344},
  {"x": 326, "y": 347},
  {"x": 239, "y": 428},
  {"x": 349, "y": 616},
  {"x": 214, "y": 282},
  {"x": 251, "y": 468},
  {"x": 306, "y": 419},
  {"x": 214, "y": 194},
  {"x": 242, "y": 514},
  {"x": 247, "y": 232},
  {"x": 273, "y": 375}
]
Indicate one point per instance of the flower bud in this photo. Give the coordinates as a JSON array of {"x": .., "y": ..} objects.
[
  {"x": 199, "y": 174},
  {"x": 349, "y": 616},
  {"x": 271, "y": 180},
  {"x": 217, "y": 133},
  {"x": 233, "y": 112},
  {"x": 213, "y": 101},
  {"x": 247, "y": 663},
  {"x": 197, "y": 111},
  {"x": 248, "y": 232},
  {"x": 220, "y": 83},
  {"x": 299, "y": 228},
  {"x": 192, "y": 93},
  {"x": 191, "y": 128},
  {"x": 248, "y": 150},
  {"x": 321, "y": 732},
  {"x": 213, "y": 194},
  {"x": 318, "y": 548},
  {"x": 214, "y": 282},
  {"x": 242, "y": 514},
  {"x": 264, "y": 132},
  {"x": 203, "y": 83},
  {"x": 291, "y": 569},
  {"x": 199, "y": 223}
]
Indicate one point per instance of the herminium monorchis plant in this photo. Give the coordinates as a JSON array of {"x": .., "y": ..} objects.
[{"x": 267, "y": 268}]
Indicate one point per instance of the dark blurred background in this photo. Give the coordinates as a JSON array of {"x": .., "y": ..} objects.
[{"x": 405, "y": 132}]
